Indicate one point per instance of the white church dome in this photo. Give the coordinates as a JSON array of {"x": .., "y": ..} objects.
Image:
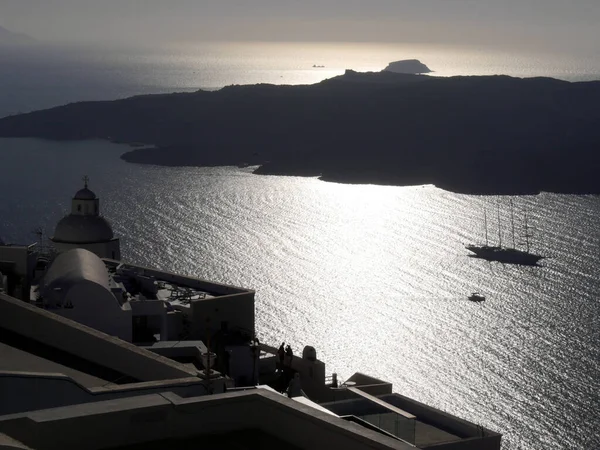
[
  {"x": 86, "y": 228},
  {"x": 84, "y": 194},
  {"x": 74, "y": 229}
]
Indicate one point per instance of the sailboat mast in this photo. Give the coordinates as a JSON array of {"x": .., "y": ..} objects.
[
  {"x": 499, "y": 228},
  {"x": 485, "y": 224},
  {"x": 526, "y": 234},
  {"x": 512, "y": 222}
]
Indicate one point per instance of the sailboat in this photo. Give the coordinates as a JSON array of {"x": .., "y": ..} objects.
[{"x": 508, "y": 255}]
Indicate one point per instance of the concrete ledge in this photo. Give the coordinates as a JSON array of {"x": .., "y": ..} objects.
[
  {"x": 92, "y": 345},
  {"x": 143, "y": 402},
  {"x": 438, "y": 418},
  {"x": 190, "y": 349},
  {"x": 383, "y": 404},
  {"x": 371, "y": 385},
  {"x": 109, "y": 388},
  {"x": 161, "y": 384},
  {"x": 21, "y": 392},
  {"x": 318, "y": 429},
  {"x": 103, "y": 425},
  {"x": 8, "y": 443},
  {"x": 198, "y": 283}
]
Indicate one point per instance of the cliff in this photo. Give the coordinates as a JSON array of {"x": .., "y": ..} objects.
[
  {"x": 412, "y": 66},
  {"x": 465, "y": 134}
]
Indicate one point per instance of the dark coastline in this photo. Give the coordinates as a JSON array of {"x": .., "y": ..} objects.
[{"x": 475, "y": 135}]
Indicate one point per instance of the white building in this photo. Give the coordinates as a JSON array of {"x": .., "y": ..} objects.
[
  {"x": 77, "y": 286},
  {"x": 86, "y": 228},
  {"x": 140, "y": 304}
]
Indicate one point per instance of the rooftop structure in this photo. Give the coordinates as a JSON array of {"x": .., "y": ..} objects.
[
  {"x": 140, "y": 304},
  {"x": 47, "y": 360},
  {"x": 17, "y": 264},
  {"x": 255, "y": 418},
  {"x": 85, "y": 228}
]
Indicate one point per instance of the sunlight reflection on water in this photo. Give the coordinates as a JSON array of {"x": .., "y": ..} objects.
[
  {"x": 374, "y": 277},
  {"x": 55, "y": 76}
]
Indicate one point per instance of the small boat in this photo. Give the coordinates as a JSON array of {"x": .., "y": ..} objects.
[{"x": 476, "y": 297}]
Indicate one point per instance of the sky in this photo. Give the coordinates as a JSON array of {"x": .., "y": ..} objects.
[{"x": 546, "y": 24}]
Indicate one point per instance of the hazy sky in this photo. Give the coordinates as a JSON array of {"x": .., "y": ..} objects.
[{"x": 549, "y": 24}]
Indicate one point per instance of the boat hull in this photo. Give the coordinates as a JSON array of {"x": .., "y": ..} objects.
[{"x": 504, "y": 255}]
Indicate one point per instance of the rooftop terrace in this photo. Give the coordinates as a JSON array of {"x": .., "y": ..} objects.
[
  {"x": 131, "y": 281},
  {"x": 152, "y": 284}
]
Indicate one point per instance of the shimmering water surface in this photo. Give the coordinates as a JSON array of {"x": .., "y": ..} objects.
[{"x": 376, "y": 278}]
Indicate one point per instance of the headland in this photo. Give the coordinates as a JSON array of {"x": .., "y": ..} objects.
[{"x": 466, "y": 134}]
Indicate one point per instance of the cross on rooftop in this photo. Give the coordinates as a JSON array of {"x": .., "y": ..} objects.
[{"x": 85, "y": 180}]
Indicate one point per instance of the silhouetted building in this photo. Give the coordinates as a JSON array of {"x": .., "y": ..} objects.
[{"x": 86, "y": 228}]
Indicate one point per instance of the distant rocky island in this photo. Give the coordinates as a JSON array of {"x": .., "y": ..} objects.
[
  {"x": 478, "y": 135},
  {"x": 412, "y": 66}
]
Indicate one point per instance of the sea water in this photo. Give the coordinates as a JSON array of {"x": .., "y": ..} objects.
[
  {"x": 375, "y": 277},
  {"x": 35, "y": 78}
]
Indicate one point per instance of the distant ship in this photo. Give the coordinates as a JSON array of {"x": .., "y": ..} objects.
[{"x": 508, "y": 255}]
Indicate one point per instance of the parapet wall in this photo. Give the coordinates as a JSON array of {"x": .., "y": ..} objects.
[
  {"x": 8, "y": 443},
  {"x": 210, "y": 314},
  {"x": 439, "y": 419},
  {"x": 92, "y": 345},
  {"x": 21, "y": 391},
  {"x": 196, "y": 283},
  {"x": 111, "y": 424}
]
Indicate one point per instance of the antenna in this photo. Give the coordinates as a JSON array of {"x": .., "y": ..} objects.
[{"x": 39, "y": 232}]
